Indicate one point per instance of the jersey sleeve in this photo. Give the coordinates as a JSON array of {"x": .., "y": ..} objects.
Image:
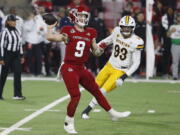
[
  {"x": 64, "y": 30},
  {"x": 2, "y": 41},
  {"x": 140, "y": 44},
  {"x": 136, "y": 57},
  {"x": 93, "y": 33},
  {"x": 115, "y": 32},
  {"x": 109, "y": 39}
]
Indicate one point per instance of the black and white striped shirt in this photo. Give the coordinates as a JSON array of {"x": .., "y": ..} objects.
[{"x": 10, "y": 40}]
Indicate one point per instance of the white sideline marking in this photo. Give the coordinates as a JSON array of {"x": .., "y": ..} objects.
[
  {"x": 37, "y": 79},
  {"x": 128, "y": 80},
  {"x": 151, "y": 111},
  {"x": 33, "y": 110},
  {"x": 153, "y": 81},
  {"x": 174, "y": 91},
  {"x": 20, "y": 129},
  {"x": 33, "y": 115}
]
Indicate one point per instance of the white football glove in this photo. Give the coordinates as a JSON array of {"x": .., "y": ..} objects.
[{"x": 119, "y": 82}]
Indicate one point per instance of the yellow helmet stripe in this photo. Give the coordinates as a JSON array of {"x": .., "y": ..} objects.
[{"x": 127, "y": 19}]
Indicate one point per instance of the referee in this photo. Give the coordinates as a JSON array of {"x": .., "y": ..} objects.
[{"x": 11, "y": 56}]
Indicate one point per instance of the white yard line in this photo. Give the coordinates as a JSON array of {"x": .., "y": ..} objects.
[
  {"x": 51, "y": 105},
  {"x": 20, "y": 129},
  {"x": 128, "y": 80},
  {"x": 152, "y": 81},
  {"x": 34, "y": 110},
  {"x": 33, "y": 115},
  {"x": 174, "y": 91}
]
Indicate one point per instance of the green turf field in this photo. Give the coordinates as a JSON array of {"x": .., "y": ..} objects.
[{"x": 138, "y": 98}]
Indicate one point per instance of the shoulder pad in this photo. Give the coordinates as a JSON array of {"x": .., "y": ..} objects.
[
  {"x": 92, "y": 31},
  {"x": 67, "y": 29},
  {"x": 116, "y": 29}
]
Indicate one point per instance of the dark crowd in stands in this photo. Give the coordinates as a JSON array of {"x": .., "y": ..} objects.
[{"x": 43, "y": 58}]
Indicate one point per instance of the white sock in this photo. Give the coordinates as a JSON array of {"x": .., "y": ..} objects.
[
  {"x": 112, "y": 112},
  {"x": 69, "y": 119},
  {"x": 94, "y": 102},
  {"x": 103, "y": 91}
]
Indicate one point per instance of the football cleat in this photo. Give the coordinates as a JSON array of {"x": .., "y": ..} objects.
[
  {"x": 85, "y": 116},
  {"x": 85, "y": 113},
  {"x": 19, "y": 98},
  {"x": 117, "y": 115},
  {"x": 69, "y": 128},
  {"x": 1, "y": 98}
]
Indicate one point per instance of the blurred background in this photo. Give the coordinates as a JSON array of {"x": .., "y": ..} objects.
[{"x": 45, "y": 59}]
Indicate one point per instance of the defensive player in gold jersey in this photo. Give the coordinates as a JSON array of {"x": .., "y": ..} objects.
[{"x": 124, "y": 60}]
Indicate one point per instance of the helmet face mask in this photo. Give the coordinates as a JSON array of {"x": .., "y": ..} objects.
[
  {"x": 126, "y": 30},
  {"x": 80, "y": 16},
  {"x": 127, "y": 25}
]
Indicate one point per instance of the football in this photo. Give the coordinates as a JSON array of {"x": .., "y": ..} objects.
[{"x": 49, "y": 19}]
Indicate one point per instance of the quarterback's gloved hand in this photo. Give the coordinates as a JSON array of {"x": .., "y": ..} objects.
[
  {"x": 103, "y": 45},
  {"x": 124, "y": 76}
]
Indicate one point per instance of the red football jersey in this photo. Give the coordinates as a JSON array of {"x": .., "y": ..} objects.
[{"x": 79, "y": 45}]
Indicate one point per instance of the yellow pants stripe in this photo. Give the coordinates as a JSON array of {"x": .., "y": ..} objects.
[{"x": 107, "y": 77}]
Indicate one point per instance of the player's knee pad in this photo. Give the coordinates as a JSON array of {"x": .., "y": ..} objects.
[{"x": 119, "y": 82}]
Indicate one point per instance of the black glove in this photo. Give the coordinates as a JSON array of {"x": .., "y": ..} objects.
[
  {"x": 49, "y": 18},
  {"x": 124, "y": 76}
]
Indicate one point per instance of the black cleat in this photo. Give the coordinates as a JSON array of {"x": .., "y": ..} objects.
[
  {"x": 1, "y": 98},
  {"x": 85, "y": 113}
]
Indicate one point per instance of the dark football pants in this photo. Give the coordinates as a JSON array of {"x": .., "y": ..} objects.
[
  {"x": 75, "y": 75},
  {"x": 12, "y": 60},
  {"x": 35, "y": 59}
]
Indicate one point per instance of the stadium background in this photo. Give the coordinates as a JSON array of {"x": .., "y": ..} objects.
[
  {"x": 105, "y": 15},
  {"x": 154, "y": 103}
]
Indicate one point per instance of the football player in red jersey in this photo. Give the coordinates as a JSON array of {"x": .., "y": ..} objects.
[{"x": 81, "y": 40}]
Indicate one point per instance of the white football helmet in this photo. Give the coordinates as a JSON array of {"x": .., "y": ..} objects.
[{"x": 127, "y": 25}]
